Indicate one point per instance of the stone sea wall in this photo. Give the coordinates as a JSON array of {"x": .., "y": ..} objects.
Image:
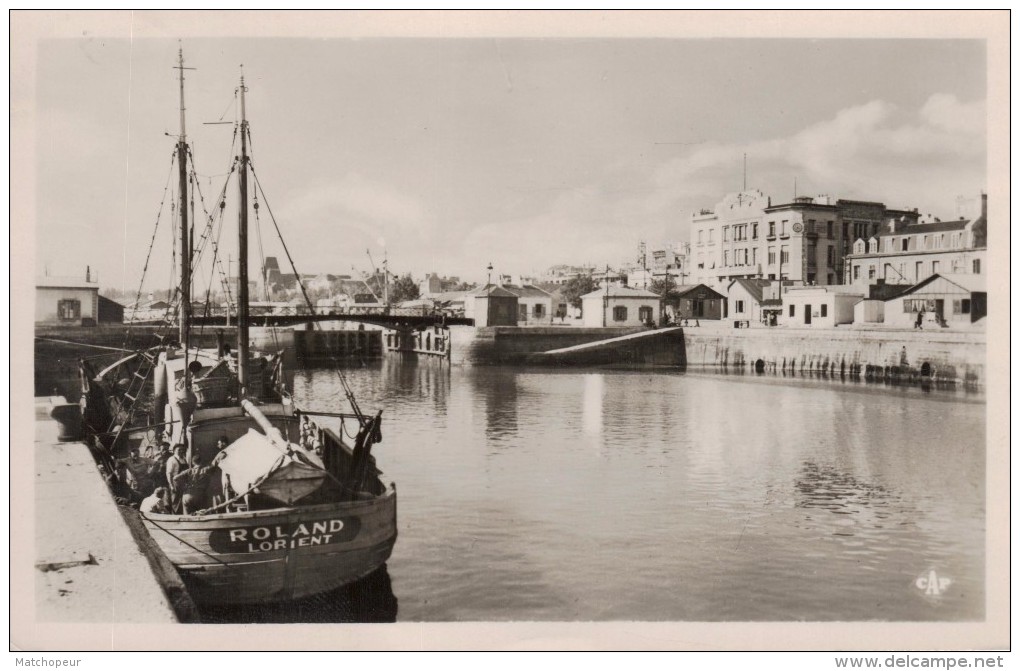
[{"x": 937, "y": 355}]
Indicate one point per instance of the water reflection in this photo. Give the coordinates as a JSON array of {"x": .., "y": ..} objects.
[
  {"x": 524, "y": 492},
  {"x": 594, "y": 391},
  {"x": 369, "y": 600}
]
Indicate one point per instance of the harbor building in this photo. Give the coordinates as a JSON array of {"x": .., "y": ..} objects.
[
  {"x": 620, "y": 306},
  {"x": 699, "y": 301},
  {"x": 804, "y": 241},
  {"x": 819, "y": 307},
  {"x": 905, "y": 253},
  {"x": 952, "y": 301},
  {"x": 68, "y": 301}
]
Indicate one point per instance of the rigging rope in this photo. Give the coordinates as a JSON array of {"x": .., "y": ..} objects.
[{"x": 348, "y": 392}]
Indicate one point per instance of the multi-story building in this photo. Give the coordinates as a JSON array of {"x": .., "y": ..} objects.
[
  {"x": 803, "y": 241},
  {"x": 907, "y": 253}
]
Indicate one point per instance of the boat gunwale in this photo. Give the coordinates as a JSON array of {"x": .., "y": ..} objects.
[{"x": 390, "y": 492}]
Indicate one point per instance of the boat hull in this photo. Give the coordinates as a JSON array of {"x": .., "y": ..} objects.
[{"x": 280, "y": 554}]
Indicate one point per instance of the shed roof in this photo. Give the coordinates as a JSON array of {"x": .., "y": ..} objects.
[
  {"x": 971, "y": 283},
  {"x": 754, "y": 287},
  {"x": 494, "y": 291},
  {"x": 56, "y": 282},
  {"x": 685, "y": 289},
  {"x": 621, "y": 292}
]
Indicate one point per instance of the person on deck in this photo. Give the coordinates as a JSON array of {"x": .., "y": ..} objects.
[
  {"x": 157, "y": 502},
  {"x": 176, "y": 465},
  {"x": 194, "y": 485}
]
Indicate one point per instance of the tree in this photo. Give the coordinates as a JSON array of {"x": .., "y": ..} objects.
[
  {"x": 577, "y": 287},
  {"x": 666, "y": 288},
  {"x": 404, "y": 289}
]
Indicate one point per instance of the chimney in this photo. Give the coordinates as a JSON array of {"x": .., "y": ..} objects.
[
  {"x": 88, "y": 274},
  {"x": 984, "y": 205}
]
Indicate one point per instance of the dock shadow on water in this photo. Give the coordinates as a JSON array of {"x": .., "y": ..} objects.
[{"x": 369, "y": 600}]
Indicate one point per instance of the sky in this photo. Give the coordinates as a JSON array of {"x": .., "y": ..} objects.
[{"x": 446, "y": 155}]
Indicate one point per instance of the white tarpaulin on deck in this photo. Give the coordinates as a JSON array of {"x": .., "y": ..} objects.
[{"x": 249, "y": 458}]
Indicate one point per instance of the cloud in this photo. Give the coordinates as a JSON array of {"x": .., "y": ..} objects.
[{"x": 922, "y": 158}]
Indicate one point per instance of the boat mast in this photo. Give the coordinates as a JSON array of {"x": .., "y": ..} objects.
[
  {"x": 182, "y": 168},
  {"x": 242, "y": 260}
]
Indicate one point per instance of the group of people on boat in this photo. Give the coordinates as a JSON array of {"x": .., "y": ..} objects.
[{"x": 165, "y": 480}]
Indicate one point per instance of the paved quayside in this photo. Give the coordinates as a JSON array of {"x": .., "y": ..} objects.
[{"x": 88, "y": 565}]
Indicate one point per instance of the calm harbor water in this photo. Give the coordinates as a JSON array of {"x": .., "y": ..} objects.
[{"x": 585, "y": 495}]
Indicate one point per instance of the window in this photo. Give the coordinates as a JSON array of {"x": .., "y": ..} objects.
[
  {"x": 726, "y": 233},
  {"x": 810, "y": 228},
  {"x": 699, "y": 236},
  {"x": 754, "y": 256},
  {"x": 904, "y": 243},
  {"x": 961, "y": 306},
  {"x": 857, "y": 272},
  {"x": 829, "y": 228},
  {"x": 793, "y": 310},
  {"x": 782, "y": 228},
  {"x": 825, "y": 309},
  {"x": 539, "y": 311},
  {"x": 955, "y": 240},
  {"x": 784, "y": 254},
  {"x": 846, "y": 230},
  {"x": 772, "y": 229},
  {"x": 644, "y": 314},
  {"x": 976, "y": 266},
  {"x": 740, "y": 307},
  {"x": 918, "y": 269},
  {"x": 934, "y": 267},
  {"x": 69, "y": 309},
  {"x": 871, "y": 272},
  {"x": 620, "y": 313},
  {"x": 754, "y": 231},
  {"x": 926, "y": 242},
  {"x": 726, "y": 257},
  {"x": 711, "y": 235},
  {"x": 832, "y": 257},
  {"x": 522, "y": 312},
  {"x": 772, "y": 256}
]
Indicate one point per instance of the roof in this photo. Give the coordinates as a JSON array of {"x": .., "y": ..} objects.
[
  {"x": 684, "y": 289},
  {"x": 933, "y": 227},
  {"x": 971, "y": 283},
  {"x": 55, "y": 282},
  {"x": 754, "y": 287},
  {"x": 621, "y": 292},
  {"x": 527, "y": 291},
  {"x": 491, "y": 290}
]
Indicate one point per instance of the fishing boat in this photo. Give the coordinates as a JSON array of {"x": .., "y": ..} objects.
[{"x": 299, "y": 509}]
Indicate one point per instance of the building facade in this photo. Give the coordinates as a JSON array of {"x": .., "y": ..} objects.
[
  {"x": 805, "y": 241},
  {"x": 68, "y": 301},
  {"x": 958, "y": 301},
  {"x": 907, "y": 253},
  {"x": 620, "y": 306},
  {"x": 819, "y": 307}
]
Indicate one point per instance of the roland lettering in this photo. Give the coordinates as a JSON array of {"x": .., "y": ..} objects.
[
  {"x": 238, "y": 535},
  {"x": 335, "y": 526},
  {"x": 319, "y": 527},
  {"x": 302, "y": 530}
]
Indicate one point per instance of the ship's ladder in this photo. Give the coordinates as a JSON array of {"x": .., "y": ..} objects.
[{"x": 127, "y": 401}]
